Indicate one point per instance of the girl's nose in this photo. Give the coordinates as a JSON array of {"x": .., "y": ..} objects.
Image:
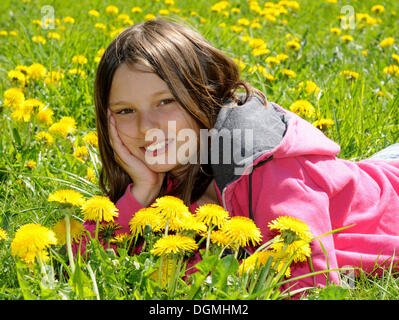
[{"x": 147, "y": 122}]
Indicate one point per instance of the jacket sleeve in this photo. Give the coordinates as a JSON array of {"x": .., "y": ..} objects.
[
  {"x": 127, "y": 206},
  {"x": 283, "y": 188}
]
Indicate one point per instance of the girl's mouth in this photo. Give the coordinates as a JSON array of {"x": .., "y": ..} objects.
[{"x": 155, "y": 149}]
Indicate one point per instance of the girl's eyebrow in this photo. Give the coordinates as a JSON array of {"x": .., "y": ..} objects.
[{"x": 155, "y": 94}]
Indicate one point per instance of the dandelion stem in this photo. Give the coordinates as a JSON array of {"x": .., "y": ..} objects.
[
  {"x": 93, "y": 279},
  {"x": 167, "y": 227},
  {"x": 97, "y": 226},
  {"x": 208, "y": 241},
  {"x": 68, "y": 241}
]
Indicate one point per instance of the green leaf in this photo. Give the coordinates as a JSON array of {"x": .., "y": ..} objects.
[{"x": 225, "y": 267}]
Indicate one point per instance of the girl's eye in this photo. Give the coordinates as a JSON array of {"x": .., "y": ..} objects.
[
  {"x": 166, "y": 102},
  {"x": 125, "y": 111}
]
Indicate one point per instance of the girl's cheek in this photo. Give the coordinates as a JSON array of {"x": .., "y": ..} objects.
[{"x": 126, "y": 130}]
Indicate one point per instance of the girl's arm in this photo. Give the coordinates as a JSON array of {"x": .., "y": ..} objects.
[{"x": 282, "y": 187}]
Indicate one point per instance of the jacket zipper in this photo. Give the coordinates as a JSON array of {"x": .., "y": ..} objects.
[{"x": 250, "y": 192}]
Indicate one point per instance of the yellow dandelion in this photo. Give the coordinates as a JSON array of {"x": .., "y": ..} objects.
[
  {"x": 323, "y": 123},
  {"x": 220, "y": 6},
  {"x": 39, "y": 39},
  {"x": 94, "y": 13},
  {"x": 91, "y": 138},
  {"x": 392, "y": 70},
  {"x": 79, "y": 59},
  {"x": 387, "y": 42},
  {"x": 31, "y": 240},
  {"x": 349, "y": 75},
  {"x": 31, "y": 164},
  {"x": 243, "y": 231},
  {"x": 303, "y": 108},
  {"x": 67, "y": 196},
  {"x": 293, "y": 45},
  {"x": 64, "y": 126},
  {"x": 289, "y": 73},
  {"x": 91, "y": 175},
  {"x": 76, "y": 71},
  {"x": 22, "y": 112},
  {"x": 395, "y": 57},
  {"x": 281, "y": 57},
  {"x": 45, "y": 115},
  {"x": 292, "y": 225},
  {"x": 347, "y": 38},
  {"x": 54, "y": 35},
  {"x": 136, "y": 10},
  {"x": 99, "y": 208},
  {"x": 36, "y": 71},
  {"x": 100, "y": 25},
  {"x": 81, "y": 153},
  {"x": 272, "y": 61},
  {"x": 237, "y": 29},
  {"x": 260, "y": 51},
  {"x": 13, "y": 97},
  {"x": 212, "y": 215},
  {"x": 106, "y": 231},
  {"x": 144, "y": 217},
  {"x": 111, "y": 9},
  {"x": 47, "y": 137},
  {"x": 220, "y": 238},
  {"x": 259, "y": 259},
  {"x": 170, "y": 207},
  {"x": 149, "y": 16},
  {"x": 68, "y": 19},
  {"x": 76, "y": 230},
  {"x": 190, "y": 222},
  {"x": 309, "y": 86},
  {"x": 163, "y": 12},
  {"x": 3, "y": 235},
  {"x": 174, "y": 244},
  {"x": 378, "y": 8},
  {"x": 18, "y": 76},
  {"x": 53, "y": 78},
  {"x": 299, "y": 250},
  {"x": 336, "y": 31},
  {"x": 268, "y": 76},
  {"x": 121, "y": 238}
]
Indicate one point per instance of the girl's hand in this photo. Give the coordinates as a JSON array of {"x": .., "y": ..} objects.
[{"x": 147, "y": 183}]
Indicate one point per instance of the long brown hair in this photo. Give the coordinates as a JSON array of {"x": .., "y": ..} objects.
[{"x": 200, "y": 77}]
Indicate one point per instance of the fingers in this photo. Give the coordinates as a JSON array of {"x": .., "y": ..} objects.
[{"x": 122, "y": 154}]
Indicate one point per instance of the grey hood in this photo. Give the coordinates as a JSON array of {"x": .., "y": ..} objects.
[{"x": 253, "y": 129}]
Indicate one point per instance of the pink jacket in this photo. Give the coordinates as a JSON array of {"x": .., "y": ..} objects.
[{"x": 303, "y": 178}]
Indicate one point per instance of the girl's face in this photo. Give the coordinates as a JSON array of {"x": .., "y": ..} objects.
[{"x": 149, "y": 119}]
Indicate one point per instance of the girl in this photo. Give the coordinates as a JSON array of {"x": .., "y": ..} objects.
[{"x": 159, "y": 75}]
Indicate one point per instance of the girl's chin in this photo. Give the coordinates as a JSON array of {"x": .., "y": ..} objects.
[{"x": 162, "y": 167}]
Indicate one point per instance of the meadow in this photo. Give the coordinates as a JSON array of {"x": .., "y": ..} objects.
[{"x": 335, "y": 63}]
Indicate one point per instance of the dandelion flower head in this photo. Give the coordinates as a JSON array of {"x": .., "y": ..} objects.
[
  {"x": 291, "y": 224},
  {"x": 67, "y": 196},
  {"x": 212, "y": 214},
  {"x": 31, "y": 240},
  {"x": 99, "y": 208},
  {"x": 174, "y": 244},
  {"x": 243, "y": 231},
  {"x": 144, "y": 217},
  {"x": 170, "y": 207}
]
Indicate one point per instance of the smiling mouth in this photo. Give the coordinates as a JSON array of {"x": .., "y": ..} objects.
[{"x": 155, "y": 149}]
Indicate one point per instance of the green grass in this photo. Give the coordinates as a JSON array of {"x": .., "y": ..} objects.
[{"x": 364, "y": 121}]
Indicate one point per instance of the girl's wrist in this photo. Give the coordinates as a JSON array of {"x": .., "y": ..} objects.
[{"x": 144, "y": 194}]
